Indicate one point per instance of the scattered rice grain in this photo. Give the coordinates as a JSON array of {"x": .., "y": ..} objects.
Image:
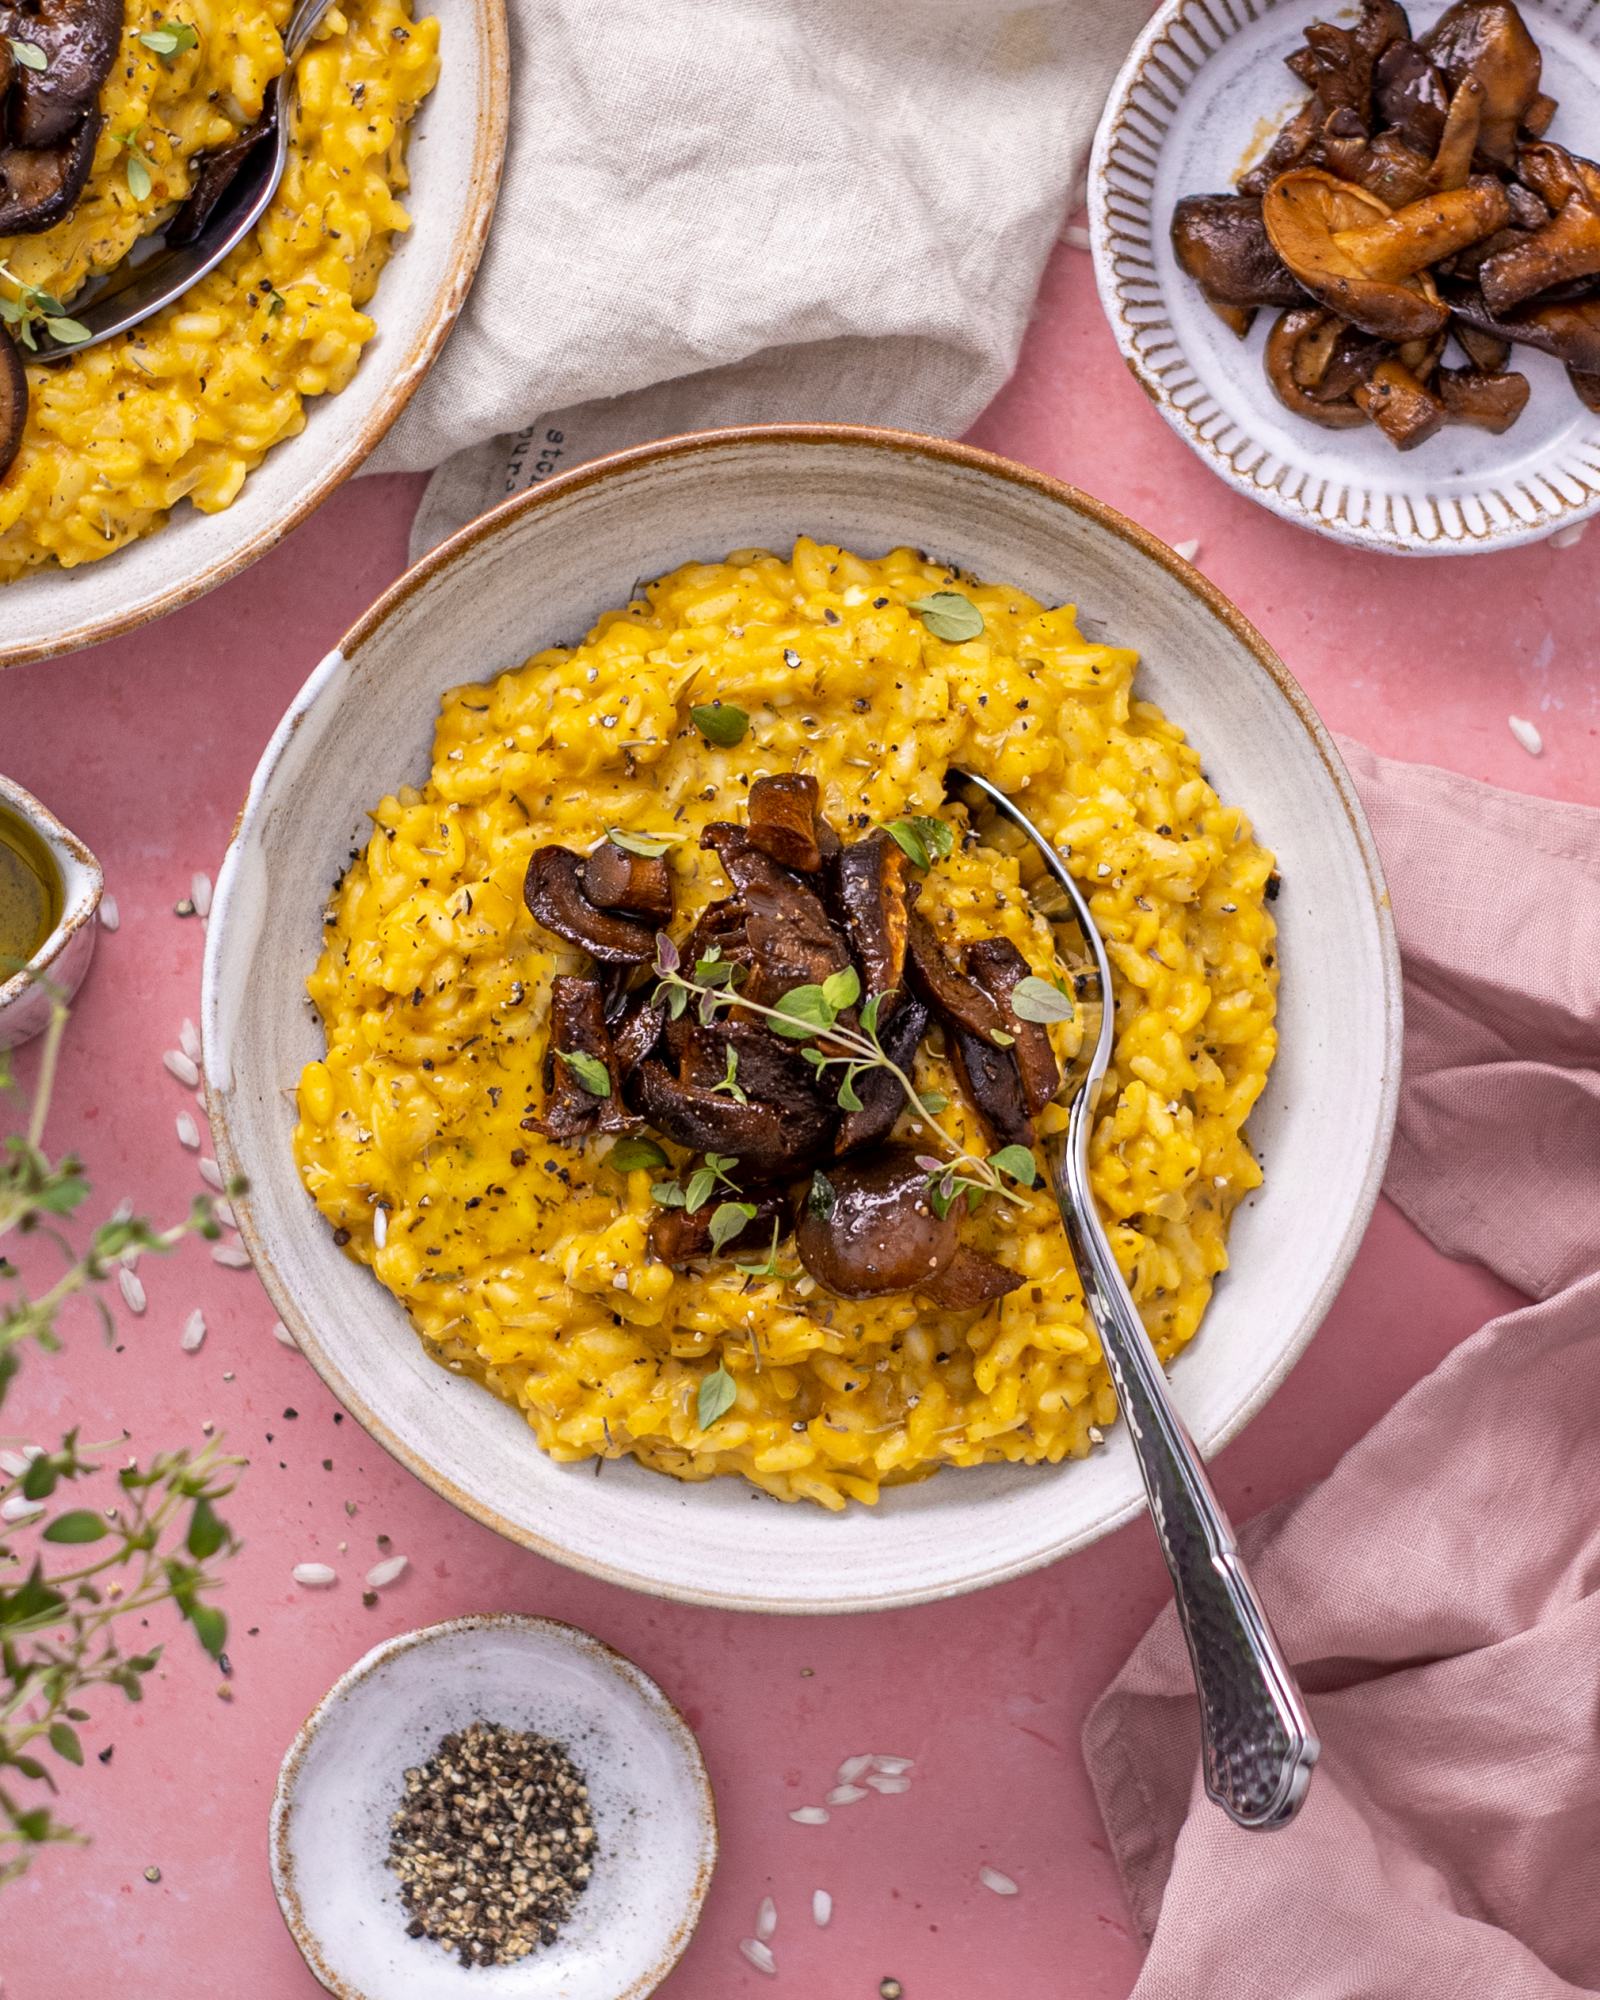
[
  {"x": 210, "y": 1173},
  {"x": 188, "y": 1132},
  {"x": 1526, "y": 735},
  {"x": 315, "y": 1576},
  {"x": 894, "y": 1767},
  {"x": 1569, "y": 538},
  {"x": 283, "y": 1336},
  {"x": 223, "y": 1211},
  {"x": 1188, "y": 550},
  {"x": 759, "y": 1956},
  {"x": 13, "y": 1462},
  {"x": 131, "y": 1286},
  {"x": 194, "y": 1332},
  {"x": 1002, "y": 1885},
  {"x": 380, "y": 1227},
  {"x": 846, "y": 1795},
  {"x": 810, "y": 1816},
  {"x": 856, "y": 1767},
  {"x": 821, "y": 1908},
  {"x": 1076, "y": 235},
  {"x": 234, "y": 1255},
  {"x": 110, "y": 915},
  {"x": 189, "y": 1040},
  {"x": 19, "y": 1509},
  {"x": 766, "y": 1918},
  {"x": 182, "y": 1067},
  {"x": 200, "y": 893},
  {"x": 388, "y": 1571}
]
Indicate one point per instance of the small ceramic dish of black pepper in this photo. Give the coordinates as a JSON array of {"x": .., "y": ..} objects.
[{"x": 499, "y": 1807}]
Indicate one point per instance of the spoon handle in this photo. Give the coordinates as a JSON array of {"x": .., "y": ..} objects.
[{"x": 1257, "y": 1742}]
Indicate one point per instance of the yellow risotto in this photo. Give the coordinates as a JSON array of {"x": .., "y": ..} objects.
[
  {"x": 190, "y": 403},
  {"x": 525, "y": 1263}
]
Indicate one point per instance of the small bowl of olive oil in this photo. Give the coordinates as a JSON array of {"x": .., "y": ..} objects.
[{"x": 50, "y": 887}]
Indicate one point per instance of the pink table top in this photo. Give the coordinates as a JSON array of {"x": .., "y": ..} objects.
[{"x": 145, "y": 748}]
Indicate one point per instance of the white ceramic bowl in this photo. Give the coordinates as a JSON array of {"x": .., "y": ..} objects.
[
  {"x": 59, "y": 965},
  {"x": 653, "y": 1812},
  {"x": 456, "y": 147},
  {"x": 539, "y": 569},
  {"x": 1204, "y": 86}
]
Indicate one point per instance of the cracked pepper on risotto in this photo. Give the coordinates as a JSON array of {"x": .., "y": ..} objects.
[
  {"x": 120, "y": 111},
  {"x": 689, "y": 1052}
]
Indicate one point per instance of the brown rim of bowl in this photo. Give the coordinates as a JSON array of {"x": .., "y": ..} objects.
[
  {"x": 487, "y": 158},
  {"x": 281, "y": 1810},
  {"x": 865, "y": 437}
]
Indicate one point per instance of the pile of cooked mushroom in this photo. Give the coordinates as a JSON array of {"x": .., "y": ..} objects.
[
  {"x": 803, "y": 907},
  {"x": 1413, "y": 197},
  {"x": 54, "y": 57}
]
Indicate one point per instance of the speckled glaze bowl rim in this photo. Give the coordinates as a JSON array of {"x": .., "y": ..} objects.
[
  {"x": 1159, "y": 64},
  {"x": 80, "y": 901},
  {"x": 573, "y": 1637},
  {"x": 468, "y": 539},
  {"x": 455, "y": 282}
]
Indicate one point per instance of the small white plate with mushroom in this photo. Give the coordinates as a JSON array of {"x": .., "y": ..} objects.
[
  {"x": 497, "y": 1806},
  {"x": 1432, "y": 446}
]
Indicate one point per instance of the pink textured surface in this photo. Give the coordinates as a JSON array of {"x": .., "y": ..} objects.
[{"x": 145, "y": 748}]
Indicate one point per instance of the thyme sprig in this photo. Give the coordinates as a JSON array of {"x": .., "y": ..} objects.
[
  {"x": 814, "y": 1014},
  {"x": 157, "y": 1544}
]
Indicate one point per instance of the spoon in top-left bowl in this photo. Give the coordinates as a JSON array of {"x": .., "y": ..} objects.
[{"x": 233, "y": 192}]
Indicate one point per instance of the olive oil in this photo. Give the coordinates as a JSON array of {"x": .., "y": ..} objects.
[{"x": 30, "y": 893}]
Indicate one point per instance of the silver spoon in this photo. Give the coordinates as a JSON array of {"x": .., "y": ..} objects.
[
  {"x": 1256, "y": 1737},
  {"x": 140, "y": 288}
]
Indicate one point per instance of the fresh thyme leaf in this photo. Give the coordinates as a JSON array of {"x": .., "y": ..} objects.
[
  {"x": 206, "y": 1533},
  {"x": 79, "y": 1526},
  {"x": 650, "y": 845},
  {"x": 923, "y": 839},
  {"x": 821, "y": 1197},
  {"x": 667, "y": 959},
  {"x": 999, "y": 1036},
  {"x": 768, "y": 1267},
  {"x": 720, "y": 722},
  {"x": 717, "y": 1396},
  {"x": 1035, "y": 999},
  {"x": 721, "y": 1164},
  {"x": 1018, "y": 1162},
  {"x": 590, "y": 1071},
  {"x": 701, "y": 1185},
  {"x": 730, "y": 1079},
  {"x": 727, "y": 1219},
  {"x": 934, "y": 1101},
  {"x": 842, "y": 989},
  {"x": 668, "y": 1194},
  {"x": 949, "y": 616},
  {"x": 940, "y": 1201},
  {"x": 171, "y": 40},
  {"x": 869, "y": 1014},
  {"x": 848, "y": 1099},
  {"x": 629, "y": 1156},
  {"x": 64, "y": 1742},
  {"x": 807, "y": 1011},
  {"x": 29, "y": 54},
  {"x": 677, "y": 1001},
  {"x": 210, "y": 1627},
  {"x": 68, "y": 332}
]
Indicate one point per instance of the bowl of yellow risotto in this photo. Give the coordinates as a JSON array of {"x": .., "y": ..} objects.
[
  {"x": 684, "y": 1047},
  {"x": 139, "y": 471}
]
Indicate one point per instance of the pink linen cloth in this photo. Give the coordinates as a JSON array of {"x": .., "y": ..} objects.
[{"x": 1439, "y": 1592}]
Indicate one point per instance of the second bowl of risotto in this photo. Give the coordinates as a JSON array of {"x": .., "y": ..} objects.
[
  {"x": 683, "y": 1050},
  {"x": 137, "y": 472}
]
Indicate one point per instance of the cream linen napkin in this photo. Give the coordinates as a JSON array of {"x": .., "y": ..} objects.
[
  {"x": 1440, "y": 1591},
  {"x": 729, "y": 211}
]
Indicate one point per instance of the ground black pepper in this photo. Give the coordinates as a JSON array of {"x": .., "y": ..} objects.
[{"x": 493, "y": 1844}]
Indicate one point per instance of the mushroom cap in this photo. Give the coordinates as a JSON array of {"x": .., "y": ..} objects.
[
  {"x": 1566, "y": 248},
  {"x": 553, "y": 891},
  {"x": 1221, "y": 242},
  {"x": 874, "y": 1229},
  {"x": 39, "y": 185},
  {"x": 1306, "y": 213},
  {"x": 13, "y": 401},
  {"x": 79, "y": 40},
  {"x": 1283, "y": 343},
  {"x": 1489, "y": 40}
]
